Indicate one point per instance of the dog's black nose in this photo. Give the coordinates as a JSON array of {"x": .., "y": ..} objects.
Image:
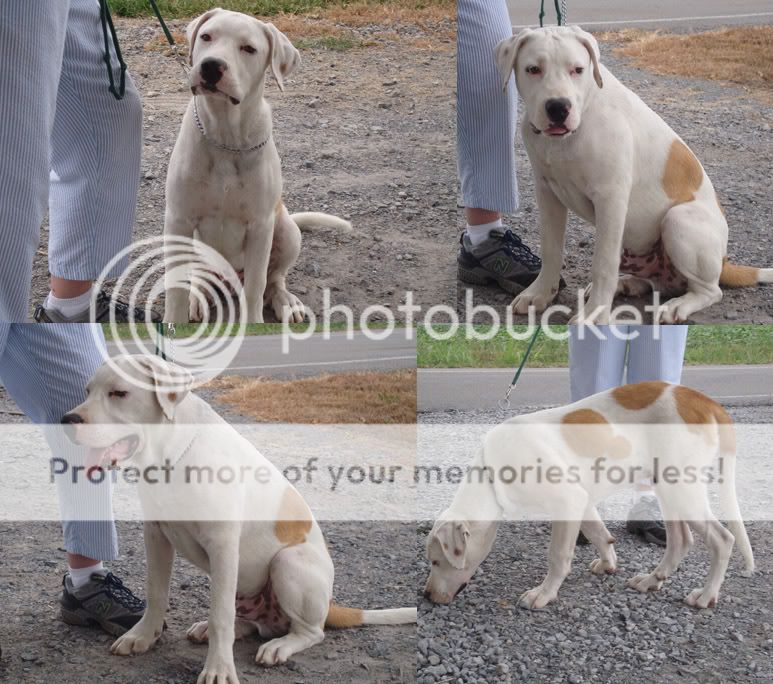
[
  {"x": 212, "y": 70},
  {"x": 558, "y": 109},
  {"x": 71, "y": 419}
]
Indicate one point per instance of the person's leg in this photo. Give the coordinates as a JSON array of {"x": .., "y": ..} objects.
[
  {"x": 485, "y": 140},
  {"x": 595, "y": 364},
  {"x": 95, "y": 165},
  {"x": 32, "y": 37}
]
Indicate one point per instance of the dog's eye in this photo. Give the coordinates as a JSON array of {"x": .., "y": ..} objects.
[
  {"x": 579, "y": 70},
  {"x": 533, "y": 70},
  {"x": 205, "y": 37},
  {"x": 435, "y": 563},
  {"x": 119, "y": 394},
  {"x": 249, "y": 49}
]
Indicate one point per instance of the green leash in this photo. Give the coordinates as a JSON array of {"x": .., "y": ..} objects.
[
  {"x": 504, "y": 403},
  {"x": 560, "y": 11}
]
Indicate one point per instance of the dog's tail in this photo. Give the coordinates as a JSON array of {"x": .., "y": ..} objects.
[
  {"x": 735, "y": 275},
  {"x": 728, "y": 498},
  {"x": 311, "y": 219},
  {"x": 341, "y": 616}
]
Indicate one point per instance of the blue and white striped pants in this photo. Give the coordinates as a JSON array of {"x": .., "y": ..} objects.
[
  {"x": 45, "y": 369},
  {"x": 597, "y": 365},
  {"x": 65, "y": 144},
  {"x": 486, "y": 117}
]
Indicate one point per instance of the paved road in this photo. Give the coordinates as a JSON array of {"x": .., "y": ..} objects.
[
  {"x": 470, "y": 389},
  {"x": 697, "y": 14},
  {"x": 262, "y": 355}
]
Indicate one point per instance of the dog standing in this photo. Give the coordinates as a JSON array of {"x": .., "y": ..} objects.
[
  {"x": 224, "y": 184},
  {"x": 598, "y": 150}
]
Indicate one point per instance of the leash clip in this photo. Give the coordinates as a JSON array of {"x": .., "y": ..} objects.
[{"x": 504, "y": 402}]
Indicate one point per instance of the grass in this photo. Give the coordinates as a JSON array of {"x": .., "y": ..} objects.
[
  {"x": 706, "y": 345},
  {"x": 366, "y": 398},
  {"x": 743, "y": 56}
]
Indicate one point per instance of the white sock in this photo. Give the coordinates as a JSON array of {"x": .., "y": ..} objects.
[
  {"x": 69, "y": 307},
  {"x": 478, "y": 234},
  {"x": 81, "y": 576}
]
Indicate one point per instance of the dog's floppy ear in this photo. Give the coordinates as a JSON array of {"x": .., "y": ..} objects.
[
  {"x": 452, "y": 536},
  {"x": 194, "y": 27},
  {"x": 283, "y": 57},
  {"x": 506, "y": 54},
  {"x": 172, "y": 383},
  {"x": 590, "y": 44}
]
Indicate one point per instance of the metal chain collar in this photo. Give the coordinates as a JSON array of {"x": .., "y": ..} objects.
[{"x": 221, "y": 146}]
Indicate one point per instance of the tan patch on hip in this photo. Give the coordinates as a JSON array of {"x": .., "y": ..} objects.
[
  {"x": 278, "y": 208},
  {"x": 638, "y": 396},
  {"x": 590, "y": 435},
  {"x": 294, "y": 520},
  {"x": 701, "y": 415},
  {"x": 683, "y": 175}
]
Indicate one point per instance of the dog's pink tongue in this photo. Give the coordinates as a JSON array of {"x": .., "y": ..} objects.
[{"x": 556, "y": 129}]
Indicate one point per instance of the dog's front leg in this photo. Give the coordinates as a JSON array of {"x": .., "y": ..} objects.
[
  {"x": 160, "y": 557},
  {"x": 219, "y": 667},
  {"x": 257, "y": 250},
  {"x": 177, "y": 269},
  {"x": 552, "y": 216}
]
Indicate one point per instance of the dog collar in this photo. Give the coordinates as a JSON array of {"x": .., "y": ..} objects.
[{"x": 220, "y": 146}]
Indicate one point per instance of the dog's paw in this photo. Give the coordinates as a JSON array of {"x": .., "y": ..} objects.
[
  {"x": 197, "y": 308},
  {"x": 676, "y": 310},
  {"x": 631, "y": 286},
  {"x": 598, "y": 314},
  {"x": 218, "y": 671},
  {"x": 287, "y": 306},
  {"x": 274, "y": 652},
  {"x": 198, "y": 633},
  {"x": 603, "y": 567},
  {"x": 645, "y": 583},
  {"x": 137, "y": 640},
  {"x": 702, "y": 598},
  {"x": 536, "y": 598},
  {"x": 537, "y": 298}
]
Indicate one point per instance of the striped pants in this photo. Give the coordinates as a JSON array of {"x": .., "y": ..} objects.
[
  {"x": 597, "y": 365},
  {"x": 45, "y": 369},
  {"x": 486, "y": 117},
  {"x": 67, "y": 145}
]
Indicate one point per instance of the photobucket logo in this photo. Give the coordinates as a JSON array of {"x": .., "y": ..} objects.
[
  {"x": 481, "y": 321},
  {"x": 215, "y": 294}
]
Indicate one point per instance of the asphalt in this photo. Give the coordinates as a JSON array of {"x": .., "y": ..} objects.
[
  {"x": 647, "y": 14},
  {"x": 468, "y": 389}
]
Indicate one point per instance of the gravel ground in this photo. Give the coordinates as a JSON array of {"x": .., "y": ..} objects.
[
  {"x": 598, "y": 630},
  {"x": 367, "y": 134},
  {"x": 730, "y": 132}
]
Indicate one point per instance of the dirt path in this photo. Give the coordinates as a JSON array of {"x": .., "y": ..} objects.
[{"x": 367, "y": 133}]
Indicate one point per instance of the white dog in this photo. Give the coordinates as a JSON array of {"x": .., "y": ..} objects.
[
  {"x": 269, "y": 567},
  {"x": 652, "y": 429},
  {"x": 224, "y": 185},
  {"x": 598, "y": 150}
]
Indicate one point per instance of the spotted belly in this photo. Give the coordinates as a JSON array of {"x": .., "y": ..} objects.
[
  {"x": 655, "y": 266},
  {"x": 263, "y": 610}
]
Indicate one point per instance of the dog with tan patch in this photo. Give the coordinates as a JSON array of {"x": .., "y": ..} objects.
[
  {"x": 224, "y": 185},
  {"x": 269, "y": 567},
  {"x": 561, "y": 462},
  {"x": 597, "y": 149}
]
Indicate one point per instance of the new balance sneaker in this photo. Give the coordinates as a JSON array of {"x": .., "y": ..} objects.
[
  {"x": 502, "y": 258},
  {"x": 123, "y": 313},
  {"x": 103, "y": 602},
  {"x": 646, "y": 521}
]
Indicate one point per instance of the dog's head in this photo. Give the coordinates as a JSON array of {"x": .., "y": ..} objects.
[
  {"x": 123, "y": 398},
  {"x": 556, "y": 71},
  {"x": 230, "y": 53},
  {"x": 455, "y": 549}
]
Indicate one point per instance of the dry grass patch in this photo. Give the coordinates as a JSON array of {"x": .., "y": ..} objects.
[
  {"x": 367, "y": 397},
  {"x": 743, "y": 56}
]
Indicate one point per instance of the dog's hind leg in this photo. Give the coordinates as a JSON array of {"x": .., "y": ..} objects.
[
  {"x": 302, "y": 579},
  {"x": 678, "y": 543},
  {"x": 720, "y": 542},
  {"x": 199, "y": 633},
  {"x": 596, "y": 531},
  {"x": 284, "y": 253}
]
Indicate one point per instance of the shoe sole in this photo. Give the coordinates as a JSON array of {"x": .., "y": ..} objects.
[
  {"x": 475, "y": 277},
  {"x": 79, "y": 619}
]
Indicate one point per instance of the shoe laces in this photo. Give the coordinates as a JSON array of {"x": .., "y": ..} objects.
[
  {"x": 515, "y": 247},
  {"x": 117, "y": 591},
  {"x": 121, "y": 308}
]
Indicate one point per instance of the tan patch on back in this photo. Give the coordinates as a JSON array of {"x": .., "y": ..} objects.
[
  {"x": 590, "y": 435},
  {"x": 683, "y": 175},
  {"x": 341, "y": 616},
  {"x": 701, "y": 415},
  {"x": 638, "y": 396},
  {"x": 294, "y": 520}
]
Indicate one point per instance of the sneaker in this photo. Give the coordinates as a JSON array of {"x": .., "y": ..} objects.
[
  {"x": 646, "y": 521},
  {"x": 123, "y": 313},
  {"x": 501, "y": 258},
  {"x": 102, "y": 602}
]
